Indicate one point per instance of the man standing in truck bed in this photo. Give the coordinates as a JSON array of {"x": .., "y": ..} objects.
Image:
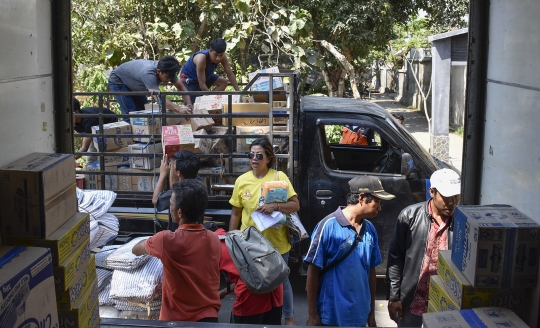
[{"x": 198, "y": 72}]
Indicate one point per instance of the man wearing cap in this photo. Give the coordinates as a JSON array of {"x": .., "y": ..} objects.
[
  {"x": 421, "y": 231},
  {"x": 343, "y": 294}
]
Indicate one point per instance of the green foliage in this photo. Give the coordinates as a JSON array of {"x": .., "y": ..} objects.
[{"x": 333, "y": 133}]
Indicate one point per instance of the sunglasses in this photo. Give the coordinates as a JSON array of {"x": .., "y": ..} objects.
[{"x": 258, "y": 156}]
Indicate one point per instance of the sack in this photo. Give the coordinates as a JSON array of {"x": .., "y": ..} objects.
[
  {"x": 260, "y": 265},
  {"x": 349, "y": 137}
]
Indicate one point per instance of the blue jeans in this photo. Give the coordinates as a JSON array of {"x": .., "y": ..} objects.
[
  {"x": 287, "y": 294},
  {"x": 127, "y": 103}
]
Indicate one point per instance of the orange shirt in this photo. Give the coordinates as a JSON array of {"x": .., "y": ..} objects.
[
  {"x": 247, "y": 303},
  {"x": 190, "y": 258}
]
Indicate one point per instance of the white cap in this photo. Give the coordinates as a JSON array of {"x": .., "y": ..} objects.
[{"x": 447, "y": 182}]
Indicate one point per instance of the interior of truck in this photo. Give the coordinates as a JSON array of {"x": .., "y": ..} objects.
[{"x": 367, "y": 151}]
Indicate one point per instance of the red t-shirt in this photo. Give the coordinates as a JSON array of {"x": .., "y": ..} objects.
[
  {"x": 247, "y": 303},
  {"x": 190, "y": 258}
]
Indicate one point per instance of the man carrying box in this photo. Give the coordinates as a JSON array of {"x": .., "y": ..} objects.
[
  {"x": 146, "y": 75},
  {"x": 85, "y": 124},
  {"x": 198, "y": 72},
  {"x": 421, "y": 231}
]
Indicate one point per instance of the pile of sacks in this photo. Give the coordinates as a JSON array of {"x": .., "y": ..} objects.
[
  {"x": 103, "y": 225},
  {"x": 129, "y": 282}
]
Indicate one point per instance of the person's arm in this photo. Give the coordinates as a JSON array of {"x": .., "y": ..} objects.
[
  {"x": 394, "y": 270},
  {"x": 172, "y": 106},
  {"x": 372, "y": 289},
  {"x": 229, "y": 72},
  {"x": 236, "y": 215},
  {"x": 163, "y": 174},
  {"x": 181, "y": 87},
  {"x": 85, "y": 145},
  {"x": 140, "y": 248},
  {"x": 200, "y": 63},
  {"x": 312, "y": 287},
  {"x": 291, "y": 206}
]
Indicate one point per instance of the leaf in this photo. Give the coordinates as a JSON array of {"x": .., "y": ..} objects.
[
  {"x": 265, "y": 48},
  {"x": 285, "y": 29}
]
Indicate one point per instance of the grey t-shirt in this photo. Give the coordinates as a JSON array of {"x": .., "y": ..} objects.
[{"x": 137, "y": 75}]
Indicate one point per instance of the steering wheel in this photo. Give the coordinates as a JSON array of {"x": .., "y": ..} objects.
[{"x": 386, "y": 163}]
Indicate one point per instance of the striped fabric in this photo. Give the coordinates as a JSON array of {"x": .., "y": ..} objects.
[
  {"x": 123, "y": 258},
  {"x": 103, "y": 296},
  {"x": 103, "y": 226},
  {"x": 105, "y": 251},
  {"x": 135, "y": 306},
  {"x": 140, "y": 285},
  {"x": 104, "y": 278}
]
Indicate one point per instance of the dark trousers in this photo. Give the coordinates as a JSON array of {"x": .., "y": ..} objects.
[{"x": 272, "y": 317}]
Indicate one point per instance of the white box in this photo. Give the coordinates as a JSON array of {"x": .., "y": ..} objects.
[
  {"x": 452, "y": 319},
  {"x": 111, "y": 159},
  {"x": 146, "y": 163},
  {"x": 213, "y": 102},
  {"x": 27, "y": 288},
  {"x": 488, "y": 241},
  {"x": 240, "y": 165},
  {"x": 176, "y": 138},
  {"x": 496, "y": 317}
]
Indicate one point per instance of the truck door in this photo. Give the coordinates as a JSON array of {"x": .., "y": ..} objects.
[{"x": 334, "y": 161}]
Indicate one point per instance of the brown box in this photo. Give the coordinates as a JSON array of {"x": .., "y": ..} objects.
[
  {"x": 255, "y": 108},
  {"x": 38, "y": 195},
  {"x": 65, "y": 273},
  {"x": 112, "y": 143},
  {"x": 124, "y": 181},
  {"x": 144, "y": 182},
  {"x": 202, "y": 145}
]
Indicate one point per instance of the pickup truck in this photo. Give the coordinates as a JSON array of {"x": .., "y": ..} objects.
[{"x": 321, "y": 166}]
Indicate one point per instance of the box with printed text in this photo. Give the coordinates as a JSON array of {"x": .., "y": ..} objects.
[
  {"x": 176, "y": 138},
  {"x": 113, "y": 142}
]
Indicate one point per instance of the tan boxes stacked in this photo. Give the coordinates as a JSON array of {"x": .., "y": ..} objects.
[
  {"x": 41, "y": 203},
  {"x": 497, "y": 248}
]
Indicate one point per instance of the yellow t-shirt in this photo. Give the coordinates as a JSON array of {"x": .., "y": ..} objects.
[{"x": 246, "y": 194}]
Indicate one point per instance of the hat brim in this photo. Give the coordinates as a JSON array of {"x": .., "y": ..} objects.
[
  {"x": 383, "y": 195},
  {"x": 449, "y": 191}
]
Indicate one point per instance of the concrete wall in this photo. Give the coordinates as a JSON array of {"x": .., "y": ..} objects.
[
  {"x": 458, "y": 76},
  {"x": 407, "y": 91}
]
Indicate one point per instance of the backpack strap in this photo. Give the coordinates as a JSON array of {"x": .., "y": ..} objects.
[{"x": 359, "y": 237}]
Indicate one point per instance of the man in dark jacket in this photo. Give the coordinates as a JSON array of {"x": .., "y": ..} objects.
[{"x": 421, "y": 231}]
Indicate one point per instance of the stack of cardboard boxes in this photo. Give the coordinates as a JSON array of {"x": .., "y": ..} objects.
[
  {"x": 40, "y": 210},
  {"x": 493, "y": 262}
]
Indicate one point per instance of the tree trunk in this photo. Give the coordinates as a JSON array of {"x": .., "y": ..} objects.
[
  {"x": 200, "y": 32},
  {"x": 349, "y": 69},
  {"x": 329, "y": 85}
]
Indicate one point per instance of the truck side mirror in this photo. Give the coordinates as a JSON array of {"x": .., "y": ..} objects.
[{"x": 407, "y": 165}]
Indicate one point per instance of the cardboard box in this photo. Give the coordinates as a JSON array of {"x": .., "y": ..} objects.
[
  {"x": 468, "y": 297},
  {"x": 124, "y": 181},
  {"x": 487, "y": 242},
  {"x": 65, "y": 273},
  {"x": 116, "y": 160},
  {"x": 176, "y": 138},
  {"x": 146, "y": 125},
  {"x": 198, "y": 123},
  {"x": 27, "y": 288},
  {"x": 112, "y": 143},
  {"x": 146, "y": 129},
  {"x": 144, "y": 183},
  {"x": 83, "y": 311},
  {"x": 240, "y": 165},
  {"x": 63, "y": 241},
  {"x": 93, "y": 181},
  {"x": 219, "y": 146},
  {"x": 263, "y": 84},
  {"x": 202, "y": 145},
  {"x": 495, "y": 317},
  {"x": 431, "y": 308},
  {"x": 243, "y": 145},
  {"x": 38, "y": 195},
  {"x": 67, "y": 299},
  {"x": 452, "y": 319},
  {"x": 256, "y": 108},
  {"x": 145, "y": 163},
  {"x": 439, "y": 295},
  {"x": 215, "y": 102},
  {"x": 208, "y": 119}
]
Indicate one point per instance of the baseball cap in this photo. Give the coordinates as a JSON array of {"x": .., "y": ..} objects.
[
  {"x": 369, "y": 185},
  {"x": 447, "y": 182}
]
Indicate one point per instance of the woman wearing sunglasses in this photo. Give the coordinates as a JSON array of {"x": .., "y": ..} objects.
[{"x": 245, "y": 200}]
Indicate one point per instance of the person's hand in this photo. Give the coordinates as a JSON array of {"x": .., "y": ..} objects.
[
  {"x": 371, "y": 319},
  {"x": 395, "y": 311},
  {"x": 184, "y": 110},
  {"x": 268, "y": 208},
  {"x": 164, "y": 168},
  {"x": 313, "y": 320}
]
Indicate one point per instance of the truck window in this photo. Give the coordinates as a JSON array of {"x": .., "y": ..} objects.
[{"x": 352, "y": 147}]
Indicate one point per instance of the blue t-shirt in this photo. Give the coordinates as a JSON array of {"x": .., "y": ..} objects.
[{"x": 344, "y": 294}]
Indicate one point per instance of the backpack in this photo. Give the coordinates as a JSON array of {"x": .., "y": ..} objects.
[
  {"x": 350, "y": 137},
  {"x": 260, "y": 265}
]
